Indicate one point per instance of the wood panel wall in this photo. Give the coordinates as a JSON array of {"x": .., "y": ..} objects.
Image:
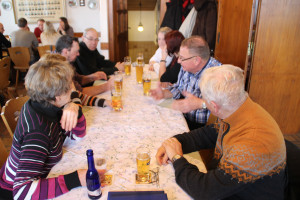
[
  {"x": 275, "y": 75},
  {"x": 147, "y": 48}
]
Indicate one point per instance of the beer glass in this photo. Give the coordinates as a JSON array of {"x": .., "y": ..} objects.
[
  {"x": 139, "y": 72},
  {"x": 146, "y": 83},
  {"x": 140, "y": 58},
  {"x": 116, "y": 98},
  {"x": 127, "y": 63},
  {"x": 118, "y": 80},
  {"x": 143, "y": 164}
]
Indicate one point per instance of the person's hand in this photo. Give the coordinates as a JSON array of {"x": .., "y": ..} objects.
[
  {"x": 120, "y": 66},
  {"x": 99, "y": 75},
  {"x": 69, "y": 117},
  {"x": 165, "y": 85},
  {"x": 161, "y": 156},
  {"x": 107, "y": 103},
  {"x": 82, "y": 175},
  {"x": 157, "y": 93},
  {"x": 188, "y": 104},
  {"x": 173, "y": 147}
]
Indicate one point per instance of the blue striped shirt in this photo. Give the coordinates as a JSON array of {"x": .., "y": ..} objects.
[{"x": 190, "y": 82}]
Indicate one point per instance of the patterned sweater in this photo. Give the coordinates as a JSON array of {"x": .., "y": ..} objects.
[
  {"x": 250, "y": 157},
  {"x": 36, "y": 148}
]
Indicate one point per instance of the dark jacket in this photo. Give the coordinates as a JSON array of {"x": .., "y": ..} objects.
[
  {"x": 206, "y": 21},
  {"x": 3, "y": 42},
  {"x": 172, "y": 18},
  {"x": 89, "y": 62}
]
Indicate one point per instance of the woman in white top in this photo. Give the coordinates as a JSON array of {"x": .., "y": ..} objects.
[
  {"x": 155, "y": 59},
  {"x": 49, "y": 36}
]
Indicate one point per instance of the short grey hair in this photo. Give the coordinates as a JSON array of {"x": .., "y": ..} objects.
[
  {"x": 224, "y": 85},
  {"x": 87, "y": 30},
  {"x": 197, "y": 46},
  {"x": 47, "y": 79}
]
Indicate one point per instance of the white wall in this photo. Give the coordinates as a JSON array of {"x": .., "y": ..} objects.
[
  {"x": 148, "y": 19},
  {"x": 79, "y": 18}
]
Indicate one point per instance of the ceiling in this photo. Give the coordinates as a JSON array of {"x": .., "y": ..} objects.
[{"x": 146, "y": 4}]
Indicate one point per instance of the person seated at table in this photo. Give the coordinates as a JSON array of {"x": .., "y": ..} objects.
[
  {"x": 3, "y": 41},
  {"x": 64, "y": 27},
  {"x": 169, "y": 74},
  {"x": 250, "y": 154},
  {"x": 90, "y": 60},
  {"x": 25, "y": 38},
  {"x": 68, "y": 47},
  {"x": 39, "y": 29},
  {"x": 49, "y": 36},
  {"x": 47, "y": 118},
  {"x": 155, "y": 59},
  {"x": 194, "y": 57}
]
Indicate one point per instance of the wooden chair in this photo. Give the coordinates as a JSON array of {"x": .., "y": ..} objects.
[
  {"x": 45, "y": 49},
  {"x": 9, "y": 113},
  {"x": 3, "y": 154},
  {"x": 4, "y": 77},
  {"x": 78, "y": 34},
  {"x": 21, "y": 58}
]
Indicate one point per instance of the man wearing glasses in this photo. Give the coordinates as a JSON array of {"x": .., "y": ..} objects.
[
  {"x": 90, "y": 60},
  {"x": 194, "y": 57}
]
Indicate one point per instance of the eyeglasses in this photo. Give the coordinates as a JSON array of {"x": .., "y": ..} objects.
[
  {"x": 92, "y": 39},
  {"x": 184, "y": 59}
]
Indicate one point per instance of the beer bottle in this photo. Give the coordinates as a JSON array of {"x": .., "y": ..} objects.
[{"x": 92, "y": 177}]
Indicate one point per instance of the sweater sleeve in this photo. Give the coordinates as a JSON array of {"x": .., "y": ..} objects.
[
  {"x": 195, "y": 140},
  {"x": 30, "y": 181},
  {"x": 171, "y": 73},
  {"x": 107, "y": 66},
  {"x": 5, "y": 41},
  {"x": 87, "y": 100}
]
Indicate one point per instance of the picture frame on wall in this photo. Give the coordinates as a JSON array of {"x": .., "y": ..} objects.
[{"x": 32, "y": 10}]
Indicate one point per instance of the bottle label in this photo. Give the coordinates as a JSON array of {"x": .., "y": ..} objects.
[{"x": 96, "y": 192}]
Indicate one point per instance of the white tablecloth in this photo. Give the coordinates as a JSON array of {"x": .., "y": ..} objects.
[{"x": 115, "y": 137}]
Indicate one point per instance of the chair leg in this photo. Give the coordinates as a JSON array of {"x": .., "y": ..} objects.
[{"x": 17, "y": 78}]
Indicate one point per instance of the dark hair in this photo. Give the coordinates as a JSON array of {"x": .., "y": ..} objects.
[
  {"x": 65, "y": 42},
  {"x": 67, "y": 26},
  {"x": 173, "y": 40},
  {"x": 22, "y": 22}
]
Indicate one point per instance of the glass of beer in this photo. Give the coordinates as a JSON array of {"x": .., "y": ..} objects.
[
  {"x": 147, "y": 83},
  {"x": 139, "y": 72},
  {"x": 116, "y": 98},
  {"x": 118, "y": 80},
  {"x": 140, "y": 58},
  {"x": 143, "y": 164},
  {"x": 127, "y": 63}
]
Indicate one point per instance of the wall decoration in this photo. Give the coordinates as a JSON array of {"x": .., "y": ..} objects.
[
  {"x": 72, "y": 3},
  {"x": 93, "y": 4},
  {"x": 32, "y": 10},
  {"x": 6, "y": 5},
  {"x": 82, "y": 2}
]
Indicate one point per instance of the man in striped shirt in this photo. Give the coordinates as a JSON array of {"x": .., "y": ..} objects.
[{"x": 194, "y": 57}]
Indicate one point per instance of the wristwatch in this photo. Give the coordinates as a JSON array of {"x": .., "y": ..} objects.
[
  {"x": 176, "y": 157},
  {"x": 204, "y": 105}
]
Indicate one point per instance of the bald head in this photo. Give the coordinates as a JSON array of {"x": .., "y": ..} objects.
[
  {"x": 1, "y": 28},
  {"x": 90, "y": 38}
]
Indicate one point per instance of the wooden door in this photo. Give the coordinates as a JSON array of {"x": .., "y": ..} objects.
[
  {"x": 233, "y": 31},
  {"x": 118, "y": 29},
  {"x": 274, "y": 80}
]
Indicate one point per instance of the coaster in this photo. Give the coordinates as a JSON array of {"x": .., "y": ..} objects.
[{"x": 143, "y": 182}]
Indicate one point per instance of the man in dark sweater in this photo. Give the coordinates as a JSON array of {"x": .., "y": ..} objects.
[
  {"x": 250, "y": 154},
  {"x": 90, "y": 60},
  {"x": 3, "y": 40}
]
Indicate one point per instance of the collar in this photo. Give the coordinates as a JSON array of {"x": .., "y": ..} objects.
[
  {"x": 197, "y": 74},
  {"x": 51, "y": 112},
  {"x": 83, "y": 45}
]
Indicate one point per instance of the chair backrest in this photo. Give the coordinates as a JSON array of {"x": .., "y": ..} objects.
[
  {"x": 45, "y": 49},
  {"x": 4, "y": 72},
  {"x": 20, "y": 56},
  {"x": 78, "y": 34},
  {"x": 10, "y": 113},
  {"x": 4, "y": 153}
]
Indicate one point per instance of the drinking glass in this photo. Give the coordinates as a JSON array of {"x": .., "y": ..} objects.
[
  {"x": 118, "y": 80},
  {"x": 143, "y": 164},
  {"x": 116, "y": 98},
  {"x": 139, "y": 72},
  {"x": 140, "y": 58},
  {"x": 127, "y": 63},
  {"x": 146, "y": 83}
]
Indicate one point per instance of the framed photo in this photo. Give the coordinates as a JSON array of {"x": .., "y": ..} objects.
[{"x": 32, "y": 10}]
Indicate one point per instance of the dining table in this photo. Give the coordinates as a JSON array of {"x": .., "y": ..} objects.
[{"x": 114, "y": 137}]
